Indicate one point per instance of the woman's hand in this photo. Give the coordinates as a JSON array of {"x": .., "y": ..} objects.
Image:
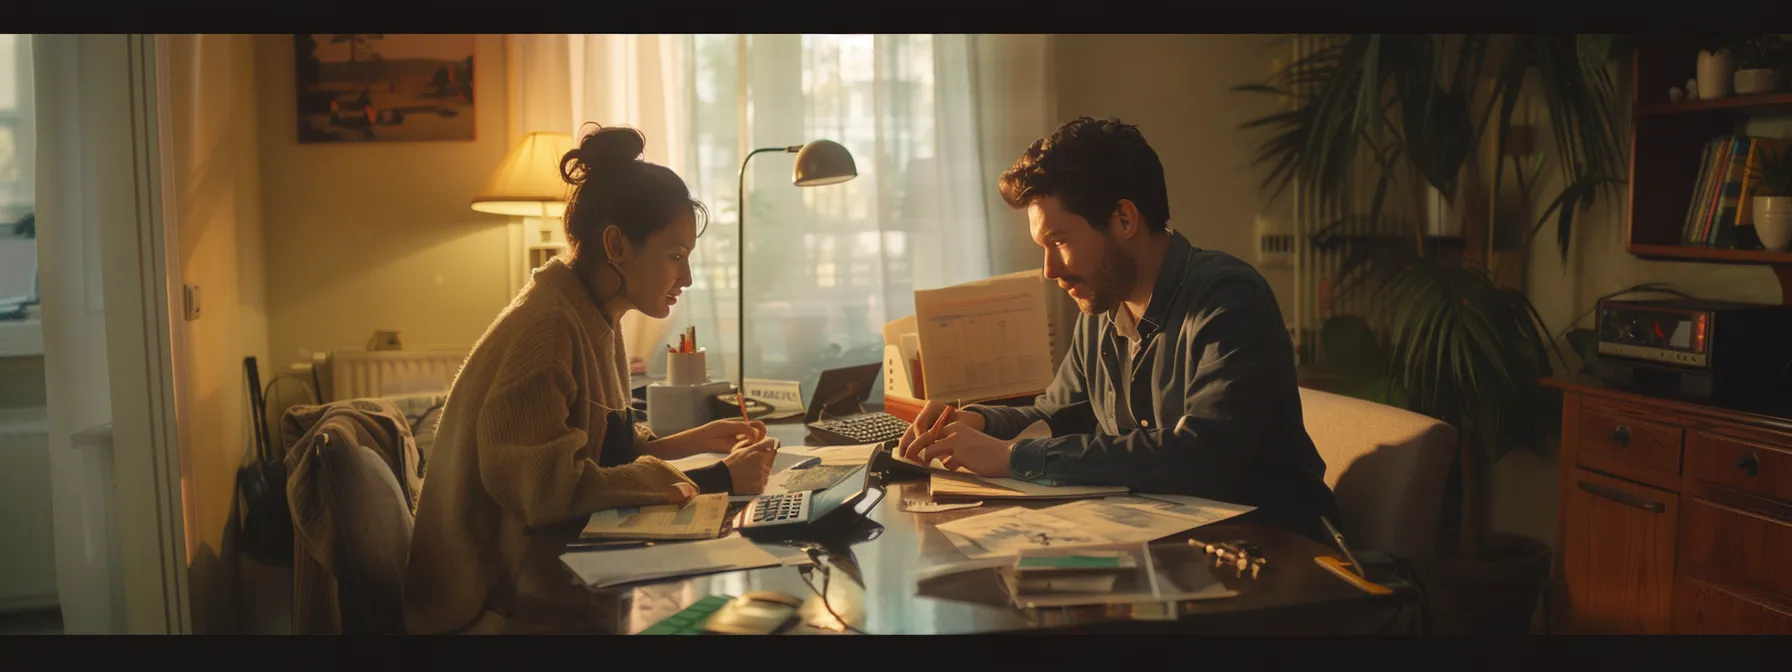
[
  {"x": 720, "y": 436},
  {"x": 682, "y": 493},
  {"x": 750, "y": 465}
]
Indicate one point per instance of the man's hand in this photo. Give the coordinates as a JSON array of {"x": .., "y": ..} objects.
[
  {"x": 749, "y": 466},
  {"x": 968, "y": 447},
  {"x": 720, "y": 436},
  {"x": 917, "y": 437}
]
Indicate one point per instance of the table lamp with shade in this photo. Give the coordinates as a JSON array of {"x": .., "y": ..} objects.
[{"x": 818, "y": 163}]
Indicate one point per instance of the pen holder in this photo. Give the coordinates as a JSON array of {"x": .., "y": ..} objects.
[
  {"x": 687, "y": 368},
  {"x": 682, "y": 402}
]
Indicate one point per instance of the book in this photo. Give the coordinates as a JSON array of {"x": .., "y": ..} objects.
[
  {"x": 701, "y": 518},
  {"x": 1723, "y": 226},
  {"x": 1689, "y": 229}
]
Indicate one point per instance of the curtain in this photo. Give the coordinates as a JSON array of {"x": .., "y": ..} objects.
[{"x": 931, "y": 120}]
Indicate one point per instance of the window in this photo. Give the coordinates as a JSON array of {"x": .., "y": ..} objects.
[
  {"x": 826, "y": 267},
  {"x": 18, "y": 244}
]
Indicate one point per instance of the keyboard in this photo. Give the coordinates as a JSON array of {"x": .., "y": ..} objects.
[
  {"x": 779, "y": 509},
  {"x": 875, "y": 427}
]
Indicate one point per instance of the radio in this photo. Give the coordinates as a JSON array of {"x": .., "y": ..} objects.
[{"x": 1696, "y": 348}]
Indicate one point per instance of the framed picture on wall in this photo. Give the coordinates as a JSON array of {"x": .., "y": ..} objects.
[{"x": 369, "y": 87}]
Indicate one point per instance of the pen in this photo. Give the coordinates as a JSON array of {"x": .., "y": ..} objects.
[
  {"x": 805, "y": 464},
  {"x": 606, "y": 545},
  {"x": 1339, "y": 537},
  {"x": 940, "y": 422}
]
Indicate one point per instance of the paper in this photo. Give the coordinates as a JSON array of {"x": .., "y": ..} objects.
[
  {"x": 951, "y": 485},
  {"x": 815, "y": 478},
  {"x": 603, "y": 569},
  {"x": 1091, "y": 522},
  {"x": 987, "y": 339},
  {"x": 1009, "y": 531},
  {"x": 701, "y": 518},
  {"x": 924, "y": 506},
  {"x": 835, "y": 455}
]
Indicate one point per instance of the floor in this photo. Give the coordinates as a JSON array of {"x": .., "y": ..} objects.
[{"x": 45, "y": 622}]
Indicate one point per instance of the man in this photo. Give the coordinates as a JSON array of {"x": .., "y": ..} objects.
[{"x": 1180, "y": 376}]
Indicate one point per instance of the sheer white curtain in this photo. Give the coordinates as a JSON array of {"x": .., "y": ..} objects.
[{"x": 930, "y": 120}]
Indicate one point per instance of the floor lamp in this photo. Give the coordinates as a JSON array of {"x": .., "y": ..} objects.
[{"x": 821, "y": 162}]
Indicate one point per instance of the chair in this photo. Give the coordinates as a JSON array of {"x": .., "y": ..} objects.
[
  {"x": 353, "y": 519},
  {"x": 1387, "y": 468}
]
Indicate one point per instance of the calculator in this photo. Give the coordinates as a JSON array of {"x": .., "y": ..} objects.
[
  {"x": 874, "y": 427},
  {"x": 780, "y": 509}
]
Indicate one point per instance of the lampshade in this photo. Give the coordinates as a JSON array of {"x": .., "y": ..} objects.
[
  {"x": 823, "y": 162},
  {"x": 527, "y": 183}
]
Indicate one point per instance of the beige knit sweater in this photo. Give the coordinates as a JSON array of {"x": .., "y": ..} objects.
[{"x": 517, "y": 451}]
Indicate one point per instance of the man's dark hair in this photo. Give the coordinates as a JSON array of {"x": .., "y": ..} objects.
[{"x": 1089, "y": 165}]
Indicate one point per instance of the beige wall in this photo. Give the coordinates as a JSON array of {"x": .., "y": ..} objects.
[
  {"x": 368, "y": 236},
  {"x": 1177, "y": 89}
]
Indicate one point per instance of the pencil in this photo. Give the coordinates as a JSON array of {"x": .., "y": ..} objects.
[
  {"x": 940, "y": 422},
  {"x": 740, "y": 397}
]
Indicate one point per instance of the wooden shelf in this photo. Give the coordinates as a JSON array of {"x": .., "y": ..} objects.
[
  {"x": 1692, "y": 253},
  {"x": 1756, "y": 104}
]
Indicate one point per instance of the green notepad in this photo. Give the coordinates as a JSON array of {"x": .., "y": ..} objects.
[
  {"x": 688, "y": 621},
  {"x": 1075, "y": 561}
]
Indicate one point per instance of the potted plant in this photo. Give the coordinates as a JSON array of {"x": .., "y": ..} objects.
[
  {"x": 1773, "y": 201},
  {"x": 1759, "y": 60},
  {"x": 1377, "y": 122}
]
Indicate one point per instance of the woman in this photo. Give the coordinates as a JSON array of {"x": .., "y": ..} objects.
[{"x": 535, "y": 431}]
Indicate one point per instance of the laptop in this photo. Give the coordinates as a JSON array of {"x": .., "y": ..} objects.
[
  {"x": 811, "y": 514},
  {"x": 837, "y": 413}
]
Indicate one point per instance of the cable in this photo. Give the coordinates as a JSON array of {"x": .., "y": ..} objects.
[{"x": 827, "y": 575}]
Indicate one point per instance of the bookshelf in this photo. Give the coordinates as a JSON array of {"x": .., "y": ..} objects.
[{"x": 1668, "y": 140}]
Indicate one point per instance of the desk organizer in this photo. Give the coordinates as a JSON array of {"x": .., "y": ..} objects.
[{"x": 682, "y": 401}]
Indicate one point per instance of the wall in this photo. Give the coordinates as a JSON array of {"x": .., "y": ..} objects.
[
  {"x": 1176, "y": 89},
  {"x": 215, "y": 178},
  {"x": 378, "y": 235}
]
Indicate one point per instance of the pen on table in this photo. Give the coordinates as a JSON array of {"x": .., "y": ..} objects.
[
  {"x": 1339, "y": 537},
  {"x": 805, "y": 464},
  {"x": 606, "y": 545}
]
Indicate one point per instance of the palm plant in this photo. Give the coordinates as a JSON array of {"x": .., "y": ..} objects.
[{"x": 1376, "y": 121}]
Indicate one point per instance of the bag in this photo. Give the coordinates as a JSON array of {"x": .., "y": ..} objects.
[{"x": 264, "y": 523}]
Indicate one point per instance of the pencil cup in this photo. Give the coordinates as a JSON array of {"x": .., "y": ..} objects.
[{"x": 687, "y": 368}]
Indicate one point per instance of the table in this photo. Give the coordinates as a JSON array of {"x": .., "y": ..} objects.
[{"x": 870, "y": 585}]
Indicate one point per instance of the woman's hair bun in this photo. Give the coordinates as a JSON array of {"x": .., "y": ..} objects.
[{"x": 606, "y": 147}]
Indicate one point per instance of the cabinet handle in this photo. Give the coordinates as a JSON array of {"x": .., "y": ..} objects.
[
  {"x": 1750, "y": 464},
  {"x": 1624, "y": 498},
  {"x": 1621, "y": 435}
]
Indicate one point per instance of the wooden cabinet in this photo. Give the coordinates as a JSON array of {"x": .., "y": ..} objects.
[{"x": 1675, "y": 517}]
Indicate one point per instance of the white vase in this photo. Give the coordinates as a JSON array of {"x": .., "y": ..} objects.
[
  {"x": 1714, "y": 74},
  {"x": 1773, "y": 221},
  {"x": 1757, "y": 80}
]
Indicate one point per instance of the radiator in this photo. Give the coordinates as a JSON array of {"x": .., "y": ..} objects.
[{"x": 360, "y": 374}]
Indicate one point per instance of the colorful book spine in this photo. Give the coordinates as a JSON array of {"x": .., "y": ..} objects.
[
  {"x": 1689, "y": 228},
  {"x": 1723, "y": 227}
]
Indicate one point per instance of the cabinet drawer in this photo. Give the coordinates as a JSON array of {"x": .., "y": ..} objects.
[
  {"x": 1628, "y": 446},
  {"x": 1755, "y": 468},
  {"x": 1617, "y": 556},
  {"x": 1703, "y": 609},
  {"x": 1732, "y": 548}
]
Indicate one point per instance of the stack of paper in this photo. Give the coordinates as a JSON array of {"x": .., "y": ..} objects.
[
  {"x": 701, "y": 518},
  {"x": 603, "y": 569}
]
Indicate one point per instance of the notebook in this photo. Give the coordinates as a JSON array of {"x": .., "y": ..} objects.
[{"x": 701, "y": 518}]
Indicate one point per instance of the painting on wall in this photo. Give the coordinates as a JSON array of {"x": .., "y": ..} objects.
[{"x": 368, "y": 87}]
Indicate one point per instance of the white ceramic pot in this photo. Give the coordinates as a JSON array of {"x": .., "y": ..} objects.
[
  {"x": 1773, "y": 221},
  {"x": 1757, "y": 80},
  {"x": 1714, "y": 74}
]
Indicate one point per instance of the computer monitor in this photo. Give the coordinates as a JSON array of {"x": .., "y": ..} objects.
[{"x": 843, "y": 391}]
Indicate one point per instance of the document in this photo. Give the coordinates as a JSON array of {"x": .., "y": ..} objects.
[
  {"x": 966, "y": 486},
  {"x": 701, "y": 518},
  {"x": 835, "y": 455},
  {"x": 603, "y": 569},
  {"x": 786, "y": 458},
  {"x": 987, "y": 339},
  {"x": 1090, "y": 522}
]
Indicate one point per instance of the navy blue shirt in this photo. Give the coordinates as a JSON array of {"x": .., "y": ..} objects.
[{"x": 1215, "y": 410}]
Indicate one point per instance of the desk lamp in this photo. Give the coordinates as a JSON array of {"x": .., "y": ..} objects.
[
  {"x": 821, "y": 162},
  {"x": 527, "y": 183}
]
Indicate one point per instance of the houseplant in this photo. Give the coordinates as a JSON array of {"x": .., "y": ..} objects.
[
  {"x": 1760, "y": 60},
  {"x": 1773, "y": 201},
  {"x": 1377, "y": 123}
]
